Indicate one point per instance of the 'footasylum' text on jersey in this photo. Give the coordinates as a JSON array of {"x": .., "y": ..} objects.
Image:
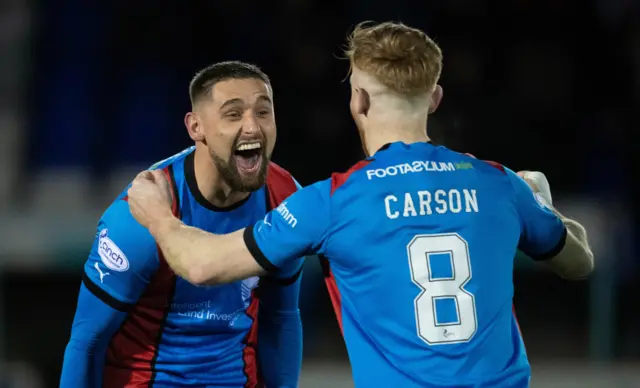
[
  {"x": 139, "y": 325},
  {"x": 421, "y": 242}
]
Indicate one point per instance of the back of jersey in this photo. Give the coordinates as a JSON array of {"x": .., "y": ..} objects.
[{"x": 427, "y": 294}]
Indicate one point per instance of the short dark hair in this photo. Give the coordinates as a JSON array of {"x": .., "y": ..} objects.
[{"x": 205, "y": 79}]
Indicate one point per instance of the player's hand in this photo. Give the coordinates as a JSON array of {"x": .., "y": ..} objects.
[
  {"x": 539, "y": 185},
  {"x": 150, "y": 198}
]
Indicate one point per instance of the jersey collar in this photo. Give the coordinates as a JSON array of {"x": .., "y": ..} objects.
[
  {"x": 397, "y": 143},
  {"x": 190, "y": 177}
]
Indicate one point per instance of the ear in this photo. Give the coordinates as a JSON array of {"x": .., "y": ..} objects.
[
  {"x": 436, "y": 97},
  {"x": 192, "y": 122},
  {"x": 362, "y": 102}
]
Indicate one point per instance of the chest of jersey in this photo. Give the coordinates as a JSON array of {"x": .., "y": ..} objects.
[{"x": 216, "y": 309}]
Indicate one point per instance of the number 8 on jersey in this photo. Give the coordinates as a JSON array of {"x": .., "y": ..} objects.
[{"x": 440, "y": 266}]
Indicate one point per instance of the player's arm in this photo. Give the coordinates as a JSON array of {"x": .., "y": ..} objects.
[
  {"x": 287, "y": 233},
  {"x": 107, "y": 292},
  {"x": 280, "y": 329},
  {"x": 547, "y": 236},
  {"x": 203, "y": 258}
]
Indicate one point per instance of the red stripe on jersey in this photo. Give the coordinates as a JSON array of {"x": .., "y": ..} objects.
[
  {"x": 174, "y": 206},
  {"x": 280, "y": 185},
  {"x": 175, "y": 202},
  {"x": 332, "y": 287},
  {"x": 496, "y": 165},
  {"x": 132, "y": 353},
  {"x": 339, "y": 179},
  {"x": 250, "y": 351},
  {"x": 133, "y": 350},
  {"x": 490, "y": 162}
]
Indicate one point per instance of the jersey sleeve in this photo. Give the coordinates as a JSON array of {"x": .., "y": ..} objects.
[
  {"x": 122, "y": 260},
  {"x": 543, "y": 233},
  {"x": 290, "y": 272},
  {"x": 294, "y": 229},
  {"x": 94, "y": 325}
]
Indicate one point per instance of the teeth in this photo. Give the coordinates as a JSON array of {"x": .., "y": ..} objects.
[{"x": 248, "y": 146}]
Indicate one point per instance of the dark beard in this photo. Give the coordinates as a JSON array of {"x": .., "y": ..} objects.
[{"x": 237, "y": 182}]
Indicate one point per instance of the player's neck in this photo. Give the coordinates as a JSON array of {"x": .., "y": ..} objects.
[
  {"x": 376, "y": 136},
  {"x": 210, "y": 182}
]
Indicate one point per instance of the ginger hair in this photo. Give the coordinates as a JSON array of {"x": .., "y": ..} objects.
[{"x": 401, "y": 58}]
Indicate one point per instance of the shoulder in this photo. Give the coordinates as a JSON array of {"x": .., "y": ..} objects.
[
  {"x": 310, "y": 198},
  {"x": 172, "y": 166},
  {"x": 321, "y": 188},
  {"x": 280, "y": 184},
  {"x": 311, "y": 202},
  {"x": 123, "y": 258},
  {"x": 174, "y": 159},
  {"x": 520, "y": 187},
  {"x": 120, "y": 238},
  {"x": 278, "y": 175},
  {"x": 340, "y": 179},
  {"x": 487, "y": 163},
  {"x": 506, "y": 175}
]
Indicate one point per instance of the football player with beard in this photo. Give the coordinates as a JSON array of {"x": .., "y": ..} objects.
[{"x": 137, "y": 323}]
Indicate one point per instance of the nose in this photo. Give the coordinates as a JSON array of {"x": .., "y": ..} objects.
[{"x": 250, "y": 125}]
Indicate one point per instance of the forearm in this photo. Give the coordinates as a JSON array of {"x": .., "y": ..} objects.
[
  {"x": 82, "y": 365},
  {"x": 575, "y": 261},
  {"x": 578, "y": 231},
  {"x": 203, "y": 258},
  {"x": 185, "y": 248},
  {"x": 94, "y": 325},
  {"x": 280, "y": 348}
]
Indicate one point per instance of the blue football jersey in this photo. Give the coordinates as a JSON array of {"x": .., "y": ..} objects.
[
  {"x": 175, "y": 333},
  {"x": 421, "y": 243}
]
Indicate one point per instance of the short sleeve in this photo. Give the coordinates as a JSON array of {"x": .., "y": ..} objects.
[
  {"x": 294, "y": 229},
  {"x": 291, "y": 271},
  {"x": 543, "y": 233},
  {"x": 122, "y": 260}
]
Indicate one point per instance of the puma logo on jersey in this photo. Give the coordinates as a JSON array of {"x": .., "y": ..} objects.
[
  {"x": 102, "y": 274},
  {"x": 267, "y": 219}
]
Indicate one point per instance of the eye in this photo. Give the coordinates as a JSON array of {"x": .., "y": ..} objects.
[
  {"x": 233, "y": 115},
  {"x": 264, "y": 112}
]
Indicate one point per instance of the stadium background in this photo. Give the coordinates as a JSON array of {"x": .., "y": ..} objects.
[{"x": 92, "y": 92}]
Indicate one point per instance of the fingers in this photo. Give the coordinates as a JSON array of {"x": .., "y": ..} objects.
[
  {"x": 526, "y": 175},
  {"x": 156, "y": 176},
  {"x": 144, "y": 175},
  {"x": 536, "y": 176},
  {"x": 140, "y": 181},
  {"x": 541, "y": 183},
  {"x": 161, "y": 179}
]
